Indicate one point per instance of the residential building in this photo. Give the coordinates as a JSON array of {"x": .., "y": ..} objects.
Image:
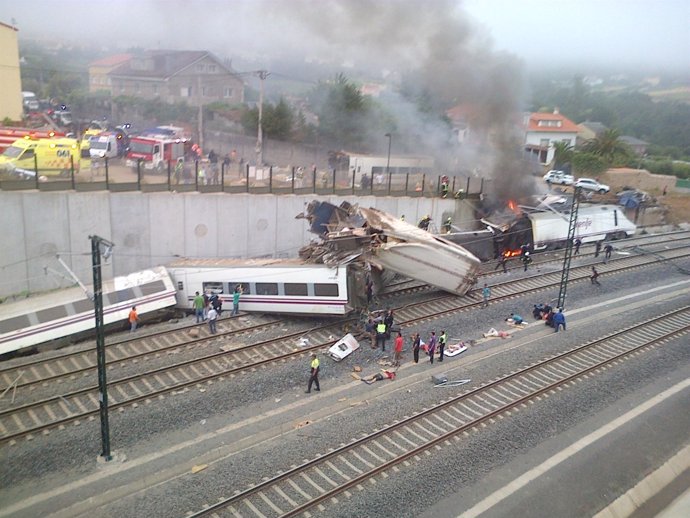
[
  {"x": 637, "y": 145},
  {"x": 194, "y": 77},
  {"x": 588, "y": 130},
  {"x": 543, "y": 130},
  {"x": 11, "y": 105},
  {"x": 99, "y": 80}
]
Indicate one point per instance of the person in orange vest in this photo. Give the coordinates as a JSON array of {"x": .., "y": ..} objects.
[{"x": 133, "y": 319}]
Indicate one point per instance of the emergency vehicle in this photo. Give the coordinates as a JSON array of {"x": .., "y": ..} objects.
[
  {"x": 54, "y": 156},
  {"x": 155, "y": 151},
  {"x": 107, "y": 145},
  {"x": 9, "y": 135}
]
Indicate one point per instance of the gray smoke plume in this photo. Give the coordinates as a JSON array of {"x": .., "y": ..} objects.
[{"x": 434, "y": 50}]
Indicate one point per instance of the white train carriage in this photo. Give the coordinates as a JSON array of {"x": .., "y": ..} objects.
[
  {"x": 268, "y": 285},
  {"x": 69, "y": 312}
]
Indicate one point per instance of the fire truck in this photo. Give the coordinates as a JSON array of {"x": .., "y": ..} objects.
[
  {"x": 156, "y": 148},
  {"x": 9, "y": 135}
]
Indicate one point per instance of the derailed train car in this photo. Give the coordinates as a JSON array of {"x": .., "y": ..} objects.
[
  {"x": 389, "y": 244},
  {"x": 544, "y": 230}
]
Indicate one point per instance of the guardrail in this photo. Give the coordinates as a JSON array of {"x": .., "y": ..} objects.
[{"x": 201, "y": 176}]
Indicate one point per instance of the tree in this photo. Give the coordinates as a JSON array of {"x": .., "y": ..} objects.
[
  {"x": 608, "y": 146},
  {"x": 563, "y": 154},
  {"x": 278, "y": 120},
  {"x": 588, "y": 164},
  {"x": 342, "y": 111}
]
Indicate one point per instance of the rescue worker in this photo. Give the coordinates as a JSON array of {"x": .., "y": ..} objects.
[
  {"x": 442, "y": 342},
  {"x": 577, "y": 244},
  {"x": 526, "y": 260},
  {"x": 448, "y": 225},
  {"x": 314, "y": 374},
  {"x": 381, "y": 335},
  {"x": 597, "y": 249},
  {"x": 389, "y": 321},
  {"x": 444, "y": 186},
  {"x": 424, "y": 222}
]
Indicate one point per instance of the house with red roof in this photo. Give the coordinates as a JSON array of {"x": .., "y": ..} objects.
[
  {"x": 99, "y": 70},
  {"x": 543, "y": 130},
  {"x": 196, "y": 77}
]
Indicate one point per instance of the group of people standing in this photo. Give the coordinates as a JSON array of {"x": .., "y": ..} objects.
[{"x": 209, "y": 306}]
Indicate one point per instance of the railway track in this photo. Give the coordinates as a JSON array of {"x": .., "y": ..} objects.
[
  {"x": 40, "y": 416},
  {"x": 39, "y": 372},
  {"x": 308, "y": 488}
]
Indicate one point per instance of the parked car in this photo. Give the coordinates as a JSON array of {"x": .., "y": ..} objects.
[
  {"x": 589, "y": 184},
  {"x": 559, "y": 177}
]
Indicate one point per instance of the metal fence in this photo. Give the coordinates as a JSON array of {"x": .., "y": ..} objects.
[{"x": 202, "y": 176}]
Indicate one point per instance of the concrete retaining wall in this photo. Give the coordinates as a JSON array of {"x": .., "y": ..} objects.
[{"x": 152, "y": 229}]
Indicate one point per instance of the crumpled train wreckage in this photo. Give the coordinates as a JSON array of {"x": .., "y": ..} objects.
[{"x": 380, "y": 243}]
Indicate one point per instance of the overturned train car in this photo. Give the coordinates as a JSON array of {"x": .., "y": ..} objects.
[
  {"x": 545, "y": 230},
  {"x": 388, "y": 244}
]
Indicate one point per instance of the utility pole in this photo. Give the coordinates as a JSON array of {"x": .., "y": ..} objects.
[
  {"x": 262, "y": 74},
  {"x": 96, "y": 243},
  {"x": 572, "y": 226},
  {"x": 201, "y": 113}
]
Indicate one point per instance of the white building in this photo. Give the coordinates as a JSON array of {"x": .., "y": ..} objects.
[{"x": 542, "y": 130}]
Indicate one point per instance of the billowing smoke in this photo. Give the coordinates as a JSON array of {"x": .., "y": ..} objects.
[{"x": 431, "y": 51}]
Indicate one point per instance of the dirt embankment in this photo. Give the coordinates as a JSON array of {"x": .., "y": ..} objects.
[{"x": 678, "y": 205}]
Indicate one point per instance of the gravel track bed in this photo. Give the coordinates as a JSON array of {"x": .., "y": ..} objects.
[
  {"x": 156, "y": 360},
  {"x": 177, "y": 417}
]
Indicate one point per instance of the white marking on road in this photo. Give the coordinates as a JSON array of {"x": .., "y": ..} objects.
[{"x": 520, "y": 482}]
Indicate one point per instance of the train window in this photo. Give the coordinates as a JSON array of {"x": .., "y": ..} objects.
[
  {"x": 615, "y": 217},
  {"x": 180, "y": 286},
  {"x": 294, "y": 288},
  {"x": 212, "y": 287},
  {"x": 124, "y": 295},
  {"x": 46, "y": 315},
  {"x": 326, "y": 290},
  {"x": 267, "y": 288},
  {"x": 82, "y": 306},
  {"x": 244, "y": 285},
  {"x": 152, "y": 287},
  {"x": 15, "y": 323}
]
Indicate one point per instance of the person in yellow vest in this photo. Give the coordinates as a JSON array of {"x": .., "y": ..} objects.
[
  {"x": 381, "y": 334},
  {"x": 314, "y": 374}
]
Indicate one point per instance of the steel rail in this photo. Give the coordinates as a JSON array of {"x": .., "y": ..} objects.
[{"x": 682, "y": 327}]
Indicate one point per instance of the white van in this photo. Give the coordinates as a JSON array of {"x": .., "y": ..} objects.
[{"x": 30, "y": 101}]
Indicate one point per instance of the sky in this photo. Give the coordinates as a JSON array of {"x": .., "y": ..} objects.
[{"x": 604, "y": 33}]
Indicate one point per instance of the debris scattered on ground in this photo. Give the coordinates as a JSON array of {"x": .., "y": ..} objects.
[
  {"x": 302, "y": 424},
  {"x": 199, "y": 467},
  {"x": 454, "y": 383}
]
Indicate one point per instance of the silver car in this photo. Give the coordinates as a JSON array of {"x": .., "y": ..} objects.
[{"x": 589, "y": 184}]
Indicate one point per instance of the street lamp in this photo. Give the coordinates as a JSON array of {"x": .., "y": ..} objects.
[{"x": 388, "y": 162}]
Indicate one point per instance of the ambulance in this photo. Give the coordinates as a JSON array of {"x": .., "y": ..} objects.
[
  {"x": 9, "y": 134},
  {"x": 52, "y": 157}
]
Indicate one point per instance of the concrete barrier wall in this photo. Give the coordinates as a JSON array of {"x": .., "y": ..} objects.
[{"x": 153, "y": 229}]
